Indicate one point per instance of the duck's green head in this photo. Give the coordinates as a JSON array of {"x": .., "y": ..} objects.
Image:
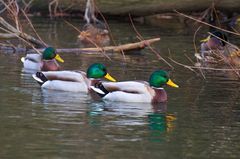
[
  {"x": 222, "y": 36},
  {"x": 217, "y": 35},
  {"x": 160, "y": 78},
  {"x": 98, "y": 70},
  {"x": 50, "y": 53}
]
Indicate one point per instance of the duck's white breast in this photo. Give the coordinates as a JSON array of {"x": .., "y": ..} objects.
[
  {"x": 66, "y": 86},
  {"x": 119, "y": 96}
]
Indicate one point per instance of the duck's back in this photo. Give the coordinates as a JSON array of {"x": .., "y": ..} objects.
[
  {"x": 66, "y": 81},
  {"x": 129, "y": 91},
  {"x": 32, "y": 61}
]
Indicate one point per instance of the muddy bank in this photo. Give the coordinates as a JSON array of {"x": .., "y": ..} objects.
[{"x": 138, "y": 7}]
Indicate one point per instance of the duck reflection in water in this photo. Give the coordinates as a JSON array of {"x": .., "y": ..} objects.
[
  {"x": 153, "y": 119},
  {"x": 156, "y": 117},
  {"x": 160, "y": 122},
  {"x": 64, "y": 99}
]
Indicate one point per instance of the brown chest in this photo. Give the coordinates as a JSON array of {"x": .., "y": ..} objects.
[
  {"x": 160, "y": 96},
  {"x": 50, "y": 65}
]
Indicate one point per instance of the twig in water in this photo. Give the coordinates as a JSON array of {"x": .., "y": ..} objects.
[
  {"x": 198, "y": 69},
  {"x": 13, "y": 10},
  {"x": 223, "y": 40},
  {"x": 238, "y": 34},
  {"x": 30, "y": 23},
  {"x": 109, "y": 30},
  {"x": 103, "y": 52},
  {"x": 27, "y": 5},
  {"x": 21, "y": 38},
  {"x": 204, "y": 68},
  {"x": 194, "y": 39},
  {"x": 142, "y": 39}
]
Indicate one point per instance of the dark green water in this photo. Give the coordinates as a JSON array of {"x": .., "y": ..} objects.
[{"x": 200, "y": 120}]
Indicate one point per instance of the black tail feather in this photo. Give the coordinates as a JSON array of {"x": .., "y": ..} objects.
[
  {"x": 102, "y": 88},
  {"x": 42, "y": 78}
]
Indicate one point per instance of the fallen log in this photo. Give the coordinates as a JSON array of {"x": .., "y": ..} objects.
[
  {"x": 12, "y": 32},
  {"x": 139, "y": 7},
  {"x": 120, "y": 48}
]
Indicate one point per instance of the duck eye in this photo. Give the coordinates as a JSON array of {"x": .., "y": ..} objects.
[
  {"x": 54, "y": 55},
  {"x": 166, "y": 76},
  {"x": 104, "y": 70}
]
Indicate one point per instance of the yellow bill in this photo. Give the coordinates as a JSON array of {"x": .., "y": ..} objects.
[
  {"x": 109, "y": 77},
  {"x": 170, "y": 83},
  {"x": 170, "y": 117},
  {"x": 205, "y": 40},
  {"x": 58, "y": 58}
]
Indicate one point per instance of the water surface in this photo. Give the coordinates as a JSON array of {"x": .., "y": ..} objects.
[{"x": 200, "y": 120}]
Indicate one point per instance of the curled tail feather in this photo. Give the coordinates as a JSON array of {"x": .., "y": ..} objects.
[
  {"x": 100, "y": 89},
  {"x": 23, "y": 59},
  {"x": 40, "y": 78}
]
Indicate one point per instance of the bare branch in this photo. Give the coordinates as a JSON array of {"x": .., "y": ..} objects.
[
  {"x": 204, "y": 68},
  {"x": 142, "y": 39},
  {"x": 238, "y": 34}
]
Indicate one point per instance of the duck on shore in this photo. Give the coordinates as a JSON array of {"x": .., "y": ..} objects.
[{"x": 94, "y": 32}]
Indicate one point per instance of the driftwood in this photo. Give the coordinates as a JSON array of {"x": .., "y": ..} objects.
[
  {"x": 15, "y": 31},
  {"x": 12, "y": 32},
  {"x": 119, "y": 48},
  {"x": 12, "y": 28}
]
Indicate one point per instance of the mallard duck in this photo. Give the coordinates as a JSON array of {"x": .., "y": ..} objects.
[
  {"x": 217, "y": 48},
  {"x": 94, "y": 32},
  {"x": 73, "y": 81},
  {"x": 136, "y": 91},
  {"x": 42, "y": 62},
  {"x": 213, "y": 42},
  {"x": 92, "y": 36}
]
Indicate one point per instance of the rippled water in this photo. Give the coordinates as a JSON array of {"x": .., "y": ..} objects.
[{"x": 200, "y": 120}]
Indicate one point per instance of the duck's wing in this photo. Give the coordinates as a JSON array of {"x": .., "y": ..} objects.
[
  {"x": 71, "y": 76},
  {"x": 32, "y": 57},
  {"x": 131, "y": 91},
  {"x": 127, "y": 86}
]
